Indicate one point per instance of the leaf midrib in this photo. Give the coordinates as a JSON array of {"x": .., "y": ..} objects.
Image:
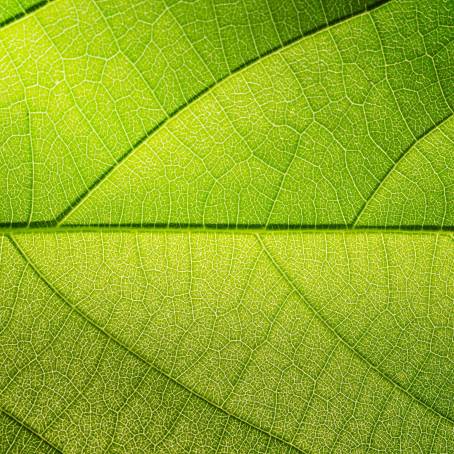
[{"x": 245, "y": 229}]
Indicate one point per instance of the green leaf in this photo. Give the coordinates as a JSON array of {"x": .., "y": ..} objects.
[{"x": 226, "y": 226}]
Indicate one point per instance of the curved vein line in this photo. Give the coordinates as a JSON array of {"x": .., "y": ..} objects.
[
  {"x": 24, "y": 13},
  {"x": 81, "y": 198},
  {"x": 29, "y": 429},
  {"x": 391, "y": 170},
  {"x": 351, "y": 348},
  {"x": 137, "y": 355}
]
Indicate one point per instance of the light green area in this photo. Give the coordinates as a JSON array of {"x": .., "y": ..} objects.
[
  {"x": 227, "y": 227},
  {"x": 181, "y": 342}
]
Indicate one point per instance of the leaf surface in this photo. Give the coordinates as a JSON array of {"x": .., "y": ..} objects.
[{"x": 226, "y": 227}]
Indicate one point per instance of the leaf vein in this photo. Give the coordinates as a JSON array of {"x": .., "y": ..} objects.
[
  {"x": 350, "y": 347},
  {"x": 137, "y": 355},
  {"x": 391, "y": 170},
  {"x": 81, "y": 198},
  {"x": 29, "y": 429}
]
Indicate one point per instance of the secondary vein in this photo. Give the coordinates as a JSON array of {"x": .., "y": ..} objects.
[
  {"x": 137, "y": 355},
  {"x": 79, "y": 200},
  {"x": 29, "y": 429},
  {"x": 356, "y": 352}
]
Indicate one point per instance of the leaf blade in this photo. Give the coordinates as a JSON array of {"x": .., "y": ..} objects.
[
  {"x": 226, "y": 227},
  {"x": 199, "y": 367}
]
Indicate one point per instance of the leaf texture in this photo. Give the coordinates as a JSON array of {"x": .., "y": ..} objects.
[
  {"x": 226, "y": 226},
  {"x": 310, "y": 124}
]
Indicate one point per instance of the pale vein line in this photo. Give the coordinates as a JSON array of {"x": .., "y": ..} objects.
[
  {"x": 355, "y": 351},
  {"x": 137, "y": 355}
]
